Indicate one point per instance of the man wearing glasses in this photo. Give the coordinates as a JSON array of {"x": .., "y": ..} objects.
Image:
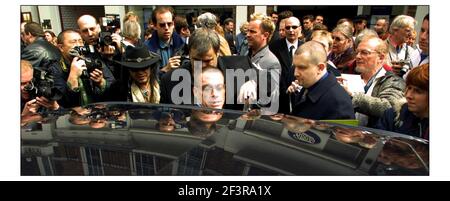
[
  {"x": 284, "y": 49},
  {"x": 383, "y": 89},
  {"x": 164, "y": 40},
  {"x": 401, "y": 56}
]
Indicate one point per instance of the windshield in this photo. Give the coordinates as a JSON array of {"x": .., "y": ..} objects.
[{"x": 146, "y": 139}]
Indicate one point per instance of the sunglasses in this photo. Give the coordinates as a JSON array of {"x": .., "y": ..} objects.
[
  {"x": 169, "y": 24},
  {"x": 289, "y": 27}
]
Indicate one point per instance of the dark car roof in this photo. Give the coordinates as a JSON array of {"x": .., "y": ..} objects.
[{"x": 142, "y": 139}]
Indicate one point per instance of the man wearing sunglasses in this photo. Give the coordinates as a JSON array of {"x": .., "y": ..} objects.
[
  {"x": 164, "y": 41},
  {"x": 284, "y": 49}
]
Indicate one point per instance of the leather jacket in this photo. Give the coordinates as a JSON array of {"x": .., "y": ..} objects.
[{"x": 41, "y": 53}]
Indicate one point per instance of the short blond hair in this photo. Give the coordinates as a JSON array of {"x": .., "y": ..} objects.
[
  {"x": 267, "y": 24},
  {"x": 132, "y": 29},
  {"x": 323, "y": 36}
]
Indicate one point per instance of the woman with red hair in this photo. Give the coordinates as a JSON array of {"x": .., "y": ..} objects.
[{"x": 411, "y": 118}]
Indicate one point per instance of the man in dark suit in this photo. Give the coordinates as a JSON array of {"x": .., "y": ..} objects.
[
  {"x": 321, "y": 97},
  {"x": 283, "y": 49}
]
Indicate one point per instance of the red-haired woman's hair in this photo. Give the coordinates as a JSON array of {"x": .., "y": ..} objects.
[{"x": 419, "y": 77}]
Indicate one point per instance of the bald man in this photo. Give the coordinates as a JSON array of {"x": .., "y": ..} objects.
[
  {"x": 321, "y": 96},
  {"x": 90, "y": 32},
  {"x": 282, "y": 50},
  {"x": 89, "y": 29}
]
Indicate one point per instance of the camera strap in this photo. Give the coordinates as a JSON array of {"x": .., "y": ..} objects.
[{"x": 406, "y": 53}]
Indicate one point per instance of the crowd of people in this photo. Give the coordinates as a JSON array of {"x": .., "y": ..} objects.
[{"x": 301, "y": 67}]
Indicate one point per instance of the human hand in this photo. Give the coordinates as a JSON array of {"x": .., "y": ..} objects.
[
  {"x": 77, "y": 66},
  {"x": 247, "y": 92},
  {"x": 174, "y": 62},
  {"x": 97, "y": 77},
  {"x": 343, "y": 82},
  {"x": 108, "y": 50},
  {"x": 295, "y": 87},
  {"x": 44, "y": 102},
  {"x": 30, "y": 108}
]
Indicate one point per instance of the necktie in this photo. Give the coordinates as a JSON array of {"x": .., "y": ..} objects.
[{"x": 291, "y": 51}]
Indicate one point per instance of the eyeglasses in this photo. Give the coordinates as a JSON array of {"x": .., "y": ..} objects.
[
  {"x": 209, "y": 88},
  {"x": 365, "y": 52},
  {"x": 169, "y": 24},
  {"x": 289, "y": 27},
  {"x": 337, "y": 38}
]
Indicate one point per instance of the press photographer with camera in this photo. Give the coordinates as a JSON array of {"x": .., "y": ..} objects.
[
  {"x": 30, "y": 102},
  {"x": 106, "y": 44},
  {"x": 80, "y": 75},
  {"x": 401, "y": 56},
  {"x": 90, "y": 30}
]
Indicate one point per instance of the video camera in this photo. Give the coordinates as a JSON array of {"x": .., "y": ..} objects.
[
  {"x": 43, "y": 85},
  {"x": 88, "y": 54}
]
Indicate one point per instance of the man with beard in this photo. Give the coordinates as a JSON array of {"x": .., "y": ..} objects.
[{"x": 382, "y": 89}]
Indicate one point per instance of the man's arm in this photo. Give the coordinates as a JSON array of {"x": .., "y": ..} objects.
[{"x": 390, "y": 93}]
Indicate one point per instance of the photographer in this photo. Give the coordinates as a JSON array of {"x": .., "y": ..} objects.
[
  {"x": 106, "y": 44},
  {"x": 401, "y": 56},
  {"x": 81, "y": 78},
  {"x": 91, "y": 33},
  {"x": 30, "y": 105}
]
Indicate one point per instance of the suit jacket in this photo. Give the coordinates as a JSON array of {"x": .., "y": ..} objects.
[
  {"x": 267, "y": 61},
  {"x": 280, "y": 49},
  {"x": 325, "y": 100}
]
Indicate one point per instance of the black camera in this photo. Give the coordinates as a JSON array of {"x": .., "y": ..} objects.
[
  {"x": 43, "y": 85},
  {"x": 183, "y": 52},
  {"x": 405, "y": 64},
  {"x": 105, "y": 39},
  {"x": 88, "y": 54}
]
